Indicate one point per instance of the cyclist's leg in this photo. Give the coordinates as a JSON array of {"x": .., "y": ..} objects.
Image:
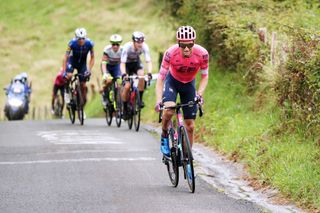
[
  {"x": 81, "y": 70},
  {"x": 114, "y": 71},
  {"x": 61, "y": 88},
  {"x": 142, "y": 82},
  {"x": 110, "y": 71},
  {"x": 68, "y": 75},
  {"x": 126, "y": 86},
  {"x": 169, "y": 99},
  {"x": 54, "y": 95},
  {"x": 187, "y": 93}
]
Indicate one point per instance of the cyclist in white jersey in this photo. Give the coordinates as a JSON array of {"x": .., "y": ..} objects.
[
  {"x": 131, "y": 64},
  {"x": 110, "y": 63}
]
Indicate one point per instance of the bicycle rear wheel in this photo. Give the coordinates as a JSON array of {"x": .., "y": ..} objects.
[
  {"x": 136, "y": 110},
  {"x": 172, "y": 165},
  {"x": 118, "y": 106},
  {"x": 80, "y": 104},
  {"x": 188, "y": 159}
]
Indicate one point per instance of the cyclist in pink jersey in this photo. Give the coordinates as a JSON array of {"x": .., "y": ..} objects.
[
  {"x": 58, "y": 84},
  {"x": 179, "y": 67}
]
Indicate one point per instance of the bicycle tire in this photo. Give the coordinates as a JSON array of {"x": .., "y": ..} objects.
[
  {"x": 172, "y": 165},
  {"x": 136, "y": 110},
  {"x": 130, "y": 116},
  {"x": 108, "y": 115},
  {"x": 80, "y": 104},
  {"x": 72, "y": 114},
  {"x": 57, "y": 107},
  {"x": 118, "y": 106},
  {"x": 188, "y": 158}
]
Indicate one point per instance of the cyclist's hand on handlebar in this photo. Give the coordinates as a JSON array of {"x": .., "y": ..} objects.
[
  {"x": 87, "y": 73},
  {"x": 104, "y": 76},
  {"x": 199, "y": 99},
  {"x": 158, "y": 107},
  {"x": 124, "y": 76},
  {"x": 149, "y": 76}
]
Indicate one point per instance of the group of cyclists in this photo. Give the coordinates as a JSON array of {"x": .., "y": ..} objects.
[
  {"x": 117, "y": 61},
  {"x": 180, "y": 64}
]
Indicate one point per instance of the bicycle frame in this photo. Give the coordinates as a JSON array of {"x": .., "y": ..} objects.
[
  {"x": 180, "y": 124},
  {"x": 114, "y": 102},
  {"x": 76, "y": 99}
]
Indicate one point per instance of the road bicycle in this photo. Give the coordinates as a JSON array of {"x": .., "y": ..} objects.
[
  {"x": 76, "y": 99},
  {"x": 180, "y": 148},
  {"x": 58, "y": 105},
  {"x": 134, "y": 102},
  {"x": 112, "y": 104}
]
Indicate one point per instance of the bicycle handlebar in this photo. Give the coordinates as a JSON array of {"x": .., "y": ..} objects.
[
  {"x": 145, "y": 77},
  {"x": 190, "y": 104}
]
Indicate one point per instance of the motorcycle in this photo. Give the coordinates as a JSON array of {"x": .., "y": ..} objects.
[{"x": 17, "y": 101}]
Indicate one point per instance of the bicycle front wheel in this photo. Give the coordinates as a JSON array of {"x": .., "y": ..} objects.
[
  {"x": 118, "y": 106},
  {"x": 80, "y": 104},
  {"x": 72, "y": 113},
  {"x": 136, "y": 110},
  {"x": 188, "y": 159},
  {"x": 108, "y": 115},
  {"x": 130, "y": 115},
  {"x": 172, "y": 165}
]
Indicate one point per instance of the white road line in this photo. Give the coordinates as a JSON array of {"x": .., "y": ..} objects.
[
  {"x": 76, "y": 160},
  {"x": 75, "y": 137}
]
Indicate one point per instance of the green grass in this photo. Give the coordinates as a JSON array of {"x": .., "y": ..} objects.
[{"x": 246, "y": 128}]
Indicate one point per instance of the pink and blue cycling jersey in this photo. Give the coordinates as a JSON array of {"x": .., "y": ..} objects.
[{"x": 182, "y": 68}]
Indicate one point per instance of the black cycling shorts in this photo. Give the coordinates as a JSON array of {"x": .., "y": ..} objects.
[
  {"x": 186, "y": 91},
  {"x": 133, "y": 67}
]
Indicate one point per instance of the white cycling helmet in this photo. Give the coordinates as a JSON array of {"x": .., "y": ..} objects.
[
  {"x": 115, "y": 39},
  {"x": 80, "y": 33},
  {"x": 186, "y": 33},
  {"x": 138, "y": 36}
]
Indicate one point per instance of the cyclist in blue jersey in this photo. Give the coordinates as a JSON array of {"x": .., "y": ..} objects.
[{"x": 76, "y": 58}]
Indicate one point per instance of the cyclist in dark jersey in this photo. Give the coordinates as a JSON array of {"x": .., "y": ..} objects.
[{"x": 76, "y": 58}]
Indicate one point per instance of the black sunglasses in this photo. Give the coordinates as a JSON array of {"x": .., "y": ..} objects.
[
  {"x": 81, "y": 39},
  {"x": 184, "y": 45},
  {"x": 115, "y": 44}
]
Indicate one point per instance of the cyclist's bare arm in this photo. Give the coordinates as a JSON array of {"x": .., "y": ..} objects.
[
  {"x": 123, "y": 68},
  {"x": 64, "y": 61},
  {"x": 202, "y": 85},
  {"x": 65, "y": 58},
  {"x": 159, "y": 90},
  {"x": 149, "y": 63},
  {"x": 103, "y": 63},
  {"x": 91, "y": 62}
]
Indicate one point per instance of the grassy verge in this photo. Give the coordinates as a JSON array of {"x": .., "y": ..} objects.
[{"x": 247, "y": 129}]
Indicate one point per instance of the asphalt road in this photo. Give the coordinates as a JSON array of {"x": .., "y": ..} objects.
[{"x": 53, "y": 166}]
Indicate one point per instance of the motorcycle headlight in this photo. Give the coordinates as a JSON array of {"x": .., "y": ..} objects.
[{"x": 15, "y": 102}]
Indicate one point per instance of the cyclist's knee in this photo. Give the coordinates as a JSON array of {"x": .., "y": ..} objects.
[
  {"x": 140, "y": 72},
  {"x": 127, "y": 86},
  {"x": 68, "y": 76},
  {"x": 189, "y": 123}
]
